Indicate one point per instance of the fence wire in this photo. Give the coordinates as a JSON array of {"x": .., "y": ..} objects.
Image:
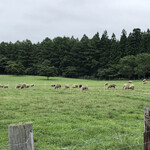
[{"x": 119, "y": 136}]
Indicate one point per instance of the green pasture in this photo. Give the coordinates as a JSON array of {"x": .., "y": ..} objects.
[{"x": 96, "y": 119}]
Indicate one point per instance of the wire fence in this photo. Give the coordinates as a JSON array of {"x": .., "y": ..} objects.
[
  {"x": 119, "y": 136},
  {"x": 116, "y": 136}
]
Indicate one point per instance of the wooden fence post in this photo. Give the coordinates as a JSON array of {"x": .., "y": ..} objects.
[
  {"x": 147, "y": 129},
  {"x": 21, "y": 136}
]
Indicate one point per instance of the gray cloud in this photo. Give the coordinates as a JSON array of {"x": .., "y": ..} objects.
[{"x": 37, "y": 19}]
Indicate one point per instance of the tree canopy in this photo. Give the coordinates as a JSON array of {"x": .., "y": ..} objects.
[{"x": 99, "y": 57}]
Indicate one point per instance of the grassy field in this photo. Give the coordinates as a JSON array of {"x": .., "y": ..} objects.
[{"x": 99, "y": 118}]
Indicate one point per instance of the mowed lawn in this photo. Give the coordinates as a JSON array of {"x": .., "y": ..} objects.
[{"x": 72, "y": 118}]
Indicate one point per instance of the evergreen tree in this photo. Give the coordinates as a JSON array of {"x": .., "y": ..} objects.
[
  {"x": 83, "y": 50},
  {"x": 123, "y": 44},
  {"x": 3, "y": 63},
  {"x": 92, "y": 55},
  {"x": 115, "y": 54},
  {"x": 104, "y": 51},
  {"x": 95, "y": 57},
  {"x": 134, "y": 45},
  {"x": 145, "y": 42}
]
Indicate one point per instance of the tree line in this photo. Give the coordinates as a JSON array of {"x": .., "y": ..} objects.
[{"x": 98, "y": 57}]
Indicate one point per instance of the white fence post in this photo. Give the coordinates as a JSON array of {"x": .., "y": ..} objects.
[
  {"x": 21, "y": 136},
  {"x": 147, "y": 129}
]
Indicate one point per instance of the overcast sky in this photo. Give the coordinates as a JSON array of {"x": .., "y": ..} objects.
[{"x": 37, "y": 19}]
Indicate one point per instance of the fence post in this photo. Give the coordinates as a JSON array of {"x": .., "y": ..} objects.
[
  {"x": 21, "y": 136},
  {"x": 147, "y": 129}
]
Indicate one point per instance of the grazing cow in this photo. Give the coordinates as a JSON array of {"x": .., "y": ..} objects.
[
  {"x": 57, "y": 86},
  {"x": 112, "y": 85},
  {"x": 85, "y": 87},
  {"x": 75, "y": 86}
]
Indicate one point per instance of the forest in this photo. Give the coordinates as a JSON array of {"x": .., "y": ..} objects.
[{"x": 100, "y": 57}]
